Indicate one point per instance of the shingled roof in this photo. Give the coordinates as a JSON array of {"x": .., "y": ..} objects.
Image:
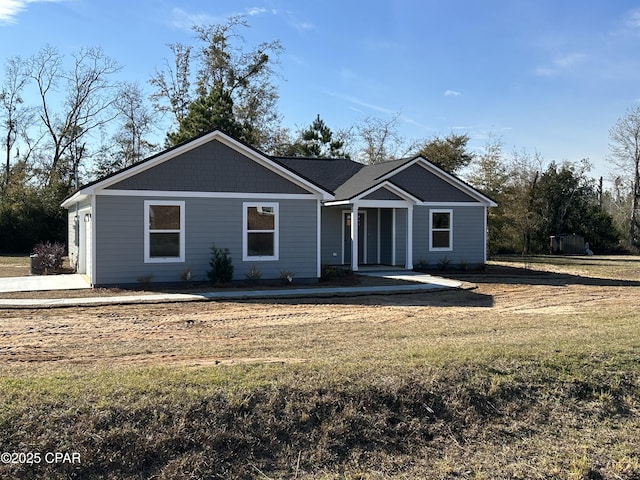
[
  {"x": 328, "y": 173},
  {"x": 344, "y": 178}
]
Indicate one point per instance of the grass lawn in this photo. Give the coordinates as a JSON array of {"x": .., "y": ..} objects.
[
  {"x": 14, "y": 265},
  {"x": 533, "y": 374}
]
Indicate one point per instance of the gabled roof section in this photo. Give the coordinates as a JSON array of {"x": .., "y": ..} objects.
[
  {"x": 443, "y": 177},
  {"x": 330, "y": 173},
  {"x": 349, "y": 180},
  {"x": 367, "y": 177},
  {"x": 247, "y": 151}
]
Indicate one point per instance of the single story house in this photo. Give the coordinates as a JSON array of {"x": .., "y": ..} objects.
[{"x": 158, "y": 219}]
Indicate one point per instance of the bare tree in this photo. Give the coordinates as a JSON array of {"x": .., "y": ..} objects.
[
  {"x": 12, "y": 110},
  {"x": 137, "y": 123},
  {"x": 173, "y": 85},
  {"x": 88, "y": 104},
  {"x": 380, "y": 140},
  {"x": 625, "y": 154}
]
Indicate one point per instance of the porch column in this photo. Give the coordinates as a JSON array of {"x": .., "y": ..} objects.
[
  {"x": 409, "y": 263},
  {"x": 354, "y": 237}
]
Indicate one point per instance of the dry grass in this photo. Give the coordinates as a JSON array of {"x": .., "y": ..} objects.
[
  {"x": 530, "y": 375},
  {"x": 14, "y": 265}
]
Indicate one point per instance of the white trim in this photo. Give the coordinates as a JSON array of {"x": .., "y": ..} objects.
[
  {"x": 73, "y": 199},
  {"x": 393, "y": 236},
  {"x": 147, "y": 232},
  {"x": 384, "y": 204},
  {"x": 378, "y": 239},
  {"x": 222, "y": 138},
  {"x": 319, "y": 238},
  {"x": 440, "y": 249},
  {"x": 403, "y": 194},
  {"x": 452, "y": 204},
  {"x": 409, "y": 256},
  {"x": 93, "y": 276},
  {"x": 276, "y": 232},
  {"x": 355, "y": 239},
  {"x": 486, "y": 235},
  {"x": 188, "y": 194},
  {"x": 337, "y": 203},
  {"x": 364, "y": 239}
]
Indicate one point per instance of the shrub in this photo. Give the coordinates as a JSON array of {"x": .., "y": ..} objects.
[
  {"x": 421, "y": 266},
  {"x": 444, "y": 263},
  {"x": 286, "y": 277},
  {"x": 221, "y": 265},
  {"x": 254, "y": 274},
  {"x": 50, "y": 256},
  {"x": 332, "y": 272}
]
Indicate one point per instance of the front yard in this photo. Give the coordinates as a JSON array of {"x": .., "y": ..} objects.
[{"x": 533, "y": 374}]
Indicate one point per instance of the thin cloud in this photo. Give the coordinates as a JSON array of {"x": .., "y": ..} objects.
[
  {"x": 452, "y": 93},
  {"x": 184, "y": 20},
  {"x": 562, "y": 64},
  {"x": 376, "y": 108},
  {"x": 633, "y": 19},
  {"x": 10, "y": 9},
  {"x": 295, "y": 22},
  {"x": 253, "y": 11}
]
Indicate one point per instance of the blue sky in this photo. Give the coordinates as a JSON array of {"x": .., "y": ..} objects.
[{"x": 547, "y": 76}]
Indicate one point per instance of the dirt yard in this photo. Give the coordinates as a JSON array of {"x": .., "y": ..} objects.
[{"x": 508, "y": 305}]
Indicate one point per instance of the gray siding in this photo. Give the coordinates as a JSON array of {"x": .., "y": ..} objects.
[
  {"x": 372, "y": 235},
  {"x": 428, "y": 187},
  {"x": 386, "y": 240},
  {"x": 120, "y": 239},
  {"x": 468, "y": 236},
  {"x": 212, "y": 167},
  {"x": 331, "y": 235},
  {"x": 382, "y": 194}
]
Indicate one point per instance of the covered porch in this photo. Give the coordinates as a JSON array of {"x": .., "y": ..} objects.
[{"x": 368, "y": 235}]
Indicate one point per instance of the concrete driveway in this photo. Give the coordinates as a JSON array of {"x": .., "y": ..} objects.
[{"x": 43, "y": 282}]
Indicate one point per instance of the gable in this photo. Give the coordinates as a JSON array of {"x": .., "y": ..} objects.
[
  {"x": 382, "y": 194},
  {"x": 428, "y": 186},
  {"x": 210, "y": 167}
]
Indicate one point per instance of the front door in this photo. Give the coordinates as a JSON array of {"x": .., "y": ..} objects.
[{"x": 346, "y": 237}]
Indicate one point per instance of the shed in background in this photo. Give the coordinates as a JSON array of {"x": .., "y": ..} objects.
[{"x": 567, "y": 244}]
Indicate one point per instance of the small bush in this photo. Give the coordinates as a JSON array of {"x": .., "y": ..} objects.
[
  {"x": 221, "y": 265},
  {"x": 145, "y": 281},
  {"x": 422, "y": 265},
  {"x": 333, "y": 272},
  {"x": 254, "y": 274},
  {"x": 50, "y": 256},
  {"x": 444, "y": 263},
  {"x": 286, "y": 277},
  {"x": 186, "y": 275}
]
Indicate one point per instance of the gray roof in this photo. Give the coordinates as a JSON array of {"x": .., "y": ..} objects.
[
  {"x": 368, "y": 177},
  {"x": 344, "y": 178},
  {"x": 328, "y": 173}
]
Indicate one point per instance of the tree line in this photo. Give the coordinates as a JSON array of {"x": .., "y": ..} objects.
[{"x": 86, "y": 124}]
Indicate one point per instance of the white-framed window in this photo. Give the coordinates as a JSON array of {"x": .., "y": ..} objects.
[
  {"x": 163, "y": 231},
  {"x": 441, "y": 230},
  {"x": 260, "y": 231}
]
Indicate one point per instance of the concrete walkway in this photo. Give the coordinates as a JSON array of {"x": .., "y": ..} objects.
[
  {"x": 422, "y": 283},
  {"x": 39, "y": 283}
]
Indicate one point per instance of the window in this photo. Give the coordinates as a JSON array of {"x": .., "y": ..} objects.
[
  {"x": 164, "y": 231},
  {"x": 441, "y": 230},
  {"x": 260, "y": 231}
]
